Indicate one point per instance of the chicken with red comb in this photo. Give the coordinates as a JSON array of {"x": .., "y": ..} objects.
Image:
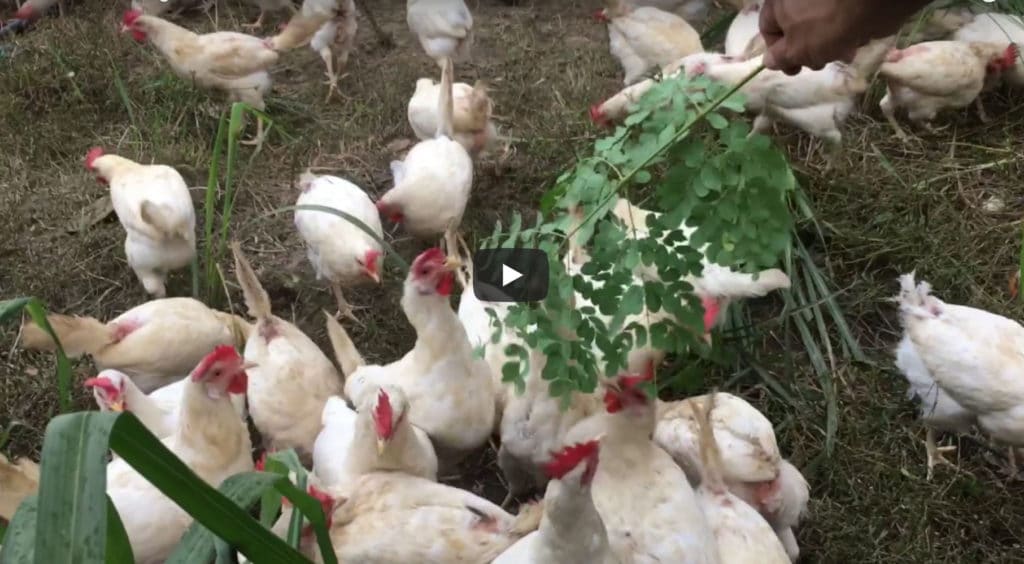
[
  {"x": 450, "y": 391},
  {"x": 154, "y": 206},
  {"x": 155, "y": 343},
  {"x": 227, "y": 61},
  {"x": 571, "y": 531},
  {"x": 641, "y": 494},
  {"x": 340, "y": 252},
  {"x": 377, "y": 438},
  {"x": 210, "y": 438}
]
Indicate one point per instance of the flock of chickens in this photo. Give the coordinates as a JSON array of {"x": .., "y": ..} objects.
[{"x": 626, "y": 477}]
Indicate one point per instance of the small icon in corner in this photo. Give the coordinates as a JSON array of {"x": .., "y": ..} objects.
[{"x": 510, "y": 275}]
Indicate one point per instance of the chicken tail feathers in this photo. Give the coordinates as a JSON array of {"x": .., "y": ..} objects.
[
  {"x": 711, "y": 458},
  {"x": 445, "y": 102},
  {"x": 163, "y": 221},
  {"x": 344, "y": 349},
  {"x": 78, "y": 335},
  {"x": 18, "y": 480},
  {"x": 256, "y": 298}
]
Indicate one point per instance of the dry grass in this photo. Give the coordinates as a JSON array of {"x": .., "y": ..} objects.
[{"x": 884, "y": 209}]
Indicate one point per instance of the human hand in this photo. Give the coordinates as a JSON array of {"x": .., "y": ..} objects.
[{"x": 813, "y": 33}]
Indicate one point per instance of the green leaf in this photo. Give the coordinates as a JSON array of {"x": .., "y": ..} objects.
[
  {"x": 197, "y": 545},
  {"x": 71, "y": 526},
  {"x": 20, "y": 540},
  {"x": 717, "y": 121}
]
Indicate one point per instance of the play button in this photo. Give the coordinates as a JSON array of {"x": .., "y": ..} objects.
[{"x": 510, "y": 275}]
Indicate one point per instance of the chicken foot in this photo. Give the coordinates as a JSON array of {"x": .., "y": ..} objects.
[
  {"x": 332, "y": 78},
  {"x": 451, "y": 246},
  {"x": 260, "y": 136},
  {"x": 935, "y": 452},
  {"x": 980, "y": 106}
]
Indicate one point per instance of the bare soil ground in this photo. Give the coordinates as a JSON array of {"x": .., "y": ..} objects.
[{"x": 885, "y": 208}]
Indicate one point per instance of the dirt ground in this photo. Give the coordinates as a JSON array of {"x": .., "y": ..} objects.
[{"x": 884, "y": 209}]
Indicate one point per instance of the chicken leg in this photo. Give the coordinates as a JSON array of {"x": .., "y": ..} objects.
[
  {"x": 935, "y": 452},
  {"x": 332, "y": 78},
  {"x": 982, "y": 115},
  {"x": 344, "y": 308},
  {"x": 451, "y": 246},
  {"x": 890, "y": 115}
]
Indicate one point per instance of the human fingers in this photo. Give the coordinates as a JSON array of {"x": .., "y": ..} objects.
[
  {"x": 778, "y": 57},
  {"x": 768, "y": 23}
]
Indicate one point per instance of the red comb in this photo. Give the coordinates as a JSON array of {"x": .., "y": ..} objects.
[
  {"x": 130, "y": 16},
  {"x": 26, "y": 12},
  {"x": 601, "y": 16},
  {"x": 597, "y": 115},
  {"x": 564, "y": 461},
  {"x": 1010, "y": 55},
  {"x": 91, "y": 156},
  {"x": 382, "y": 415},
  {"x": 325, "y": 499},
  {"x": 221, "y": 353},
  {"x": 370, "y": 260},
  {"x": 433, "y": 254},
  {"x": 261, "y": 463},
  {"x": 104, "y": 384},
  {"x": 389, "y": 212},
  {"x": 711, "y": 309}
]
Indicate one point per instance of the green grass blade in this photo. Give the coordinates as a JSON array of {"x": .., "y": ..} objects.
[
  {"x": 312, "y": 511},
  {"x": 35, "y": 309},
  {"x": 198, "y": 544},
  {"x": 209, "y": 208},
  {"x": 20, "y": 539},
  {"x": 119, "y": 549},
  {"x": 71, "y": 524},
  {"x": 72, "y": 501}
]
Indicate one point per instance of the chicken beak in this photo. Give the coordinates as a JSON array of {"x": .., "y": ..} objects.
[
  {"x": 381, "y": 445},
  {"x": 117, "y": 406},
  {"x": 373, "y": 276},
  {"x": 124, "y": 28}
]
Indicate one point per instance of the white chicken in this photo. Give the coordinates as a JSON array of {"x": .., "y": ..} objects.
[
  {"x": 432, "y": 184},
  {"x": 717, "y": 286},
  {"x": 450, "y": 391},
  {"x": 997, "y": 28},
  {"x": 645, "y": 38},
  {"x": 973, "y": 357},
  {"x": 378, "y": 438},
  {"x": 153, "y": 204},
  {"x": 158, "y": 411},
  {"x": 752, "y": 466},
  {"x": 747, "y": 438},
  {"x": 292, "y": 380},
  {"x": 533, "y": 425},
  {"x": 394, "y": 518},
  {"x": 937, "y": 410},
  {"x": 211, "y": 439},
  {"x": 339, "y": 251},
  {"x": 571, "y": 531},
  {"x": 743, "y": 39},
  {"x": 471, "y": 118},
  {"x": 929, "y": 77},
  {"x": 227, "y": 61},
  {"x": 154, "y": 343},
  {"x": 617, "y": 107},
  {"x": 644, "y": 498},
  {"x": 160, "y": 7},
  {"x": 743, "y": 536},
  {"x": 444, "y": 28},
  {"x": 329, "y": 27}
]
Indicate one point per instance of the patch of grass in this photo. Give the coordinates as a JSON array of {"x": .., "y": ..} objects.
[{"x": 884, "y": 208}]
